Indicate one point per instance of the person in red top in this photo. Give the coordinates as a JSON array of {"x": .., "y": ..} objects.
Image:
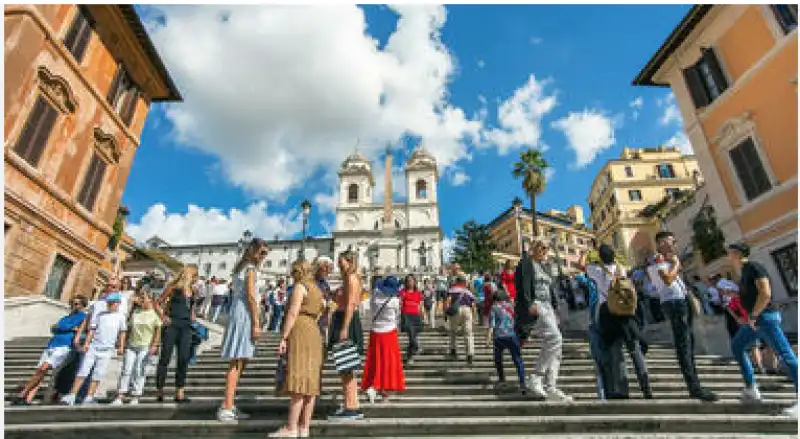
[
  {"x": 410, "y": 315},
  {"x": 507, "y": 278},
  {"x": 736, "y": 315}
]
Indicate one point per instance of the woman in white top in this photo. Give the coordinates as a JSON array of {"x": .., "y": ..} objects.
[{"x": 383, "y": 368}]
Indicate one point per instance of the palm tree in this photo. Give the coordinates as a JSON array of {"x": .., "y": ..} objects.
[{"x": 531, "y": 167}]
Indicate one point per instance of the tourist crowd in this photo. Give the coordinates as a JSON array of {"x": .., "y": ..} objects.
[{"x": 316, "y": 323}]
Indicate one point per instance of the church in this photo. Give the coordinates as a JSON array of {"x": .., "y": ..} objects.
[{"x": 395, "y": 236}]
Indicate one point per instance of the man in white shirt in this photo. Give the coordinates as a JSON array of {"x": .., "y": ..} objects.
[
  {"x": 218, "y": 295},
  {"x": 675, "y": 303}
]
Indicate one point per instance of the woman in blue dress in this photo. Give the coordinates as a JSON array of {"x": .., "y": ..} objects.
[{"x": 244, "y": 328}]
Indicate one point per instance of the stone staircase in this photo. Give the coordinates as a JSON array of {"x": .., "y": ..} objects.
[{"x": 444, "y": 399}]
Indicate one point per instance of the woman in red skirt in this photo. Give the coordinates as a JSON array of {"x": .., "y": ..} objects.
[{"x": 383, "y": 368}]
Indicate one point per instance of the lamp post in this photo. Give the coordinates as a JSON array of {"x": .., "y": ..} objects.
[
  {"x": 517, "y": 205},
  {"x": 306, "y": 207}
]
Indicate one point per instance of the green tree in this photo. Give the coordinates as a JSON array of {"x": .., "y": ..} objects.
[
  {"x": 531, "y": 168},
  {"x": 473, "y": 247},
  {"x": 708, "y": 237}
]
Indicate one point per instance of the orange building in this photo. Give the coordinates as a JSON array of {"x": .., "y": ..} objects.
[
  {"x": 79, "y": 82},
  {"x": 733, "y": 70}
]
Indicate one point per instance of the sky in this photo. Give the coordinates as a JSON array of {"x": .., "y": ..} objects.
[{"x": 275, "y": 97}]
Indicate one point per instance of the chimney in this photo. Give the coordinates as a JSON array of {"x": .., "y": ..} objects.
[{"x": 575, "y": 212}]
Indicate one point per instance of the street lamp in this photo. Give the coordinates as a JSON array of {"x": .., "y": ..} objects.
[
  {"x": 306, "y": 207},
  {"x": 517, "y": 205}
]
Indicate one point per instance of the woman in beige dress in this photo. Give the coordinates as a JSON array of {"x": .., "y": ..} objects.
[{"x": 302, "y": 344}]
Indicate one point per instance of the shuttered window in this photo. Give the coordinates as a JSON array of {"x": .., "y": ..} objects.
[
  {"x": 33, "y": 139},
  {"x": 749, "y": 169},
  {"x": 123, "y": 94},
  {"x": 786, "y": 16},
  {"x": 92, "y": 182},
  {"x": 705, "y": 80},
  {"x": 79, "y": 33}
]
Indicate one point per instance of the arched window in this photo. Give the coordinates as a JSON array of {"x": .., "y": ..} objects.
[
  {"x": 352, "y": 193},
  {"x": 422, "y": 190}
]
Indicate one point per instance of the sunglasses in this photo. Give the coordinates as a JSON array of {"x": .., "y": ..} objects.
[{"x": 77, "y": 303}]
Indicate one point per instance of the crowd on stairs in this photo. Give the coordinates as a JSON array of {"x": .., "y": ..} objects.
[{"x": 316, "y": 324}]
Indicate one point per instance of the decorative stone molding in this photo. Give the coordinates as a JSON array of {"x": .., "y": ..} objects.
[
  {"x": 57, "y": 89},
  {"x": 735, "y": 128},
  {"x": 107, "y": 145}
]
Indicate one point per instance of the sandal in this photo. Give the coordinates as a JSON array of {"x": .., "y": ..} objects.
[{"x": 304, "y": 433}]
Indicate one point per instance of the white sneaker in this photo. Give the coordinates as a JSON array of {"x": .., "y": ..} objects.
[
  {"x": 372, "y": 394},
  {"x": 89, "y": 401},
  {"x": 751, "y": 394},
  {"x": 116, "y": 402},
  {"x": 790, "y": 411},
  {"x": 134, "y": 401},
  {"x": 68, "y": 399},
  {"x": 226, "y": 415},
  {"x": 555, "y": 394},
  {"x": 536, "y": 387}
]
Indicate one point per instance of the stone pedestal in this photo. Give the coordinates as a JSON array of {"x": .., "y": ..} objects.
[{"x": 387, "y": 253}]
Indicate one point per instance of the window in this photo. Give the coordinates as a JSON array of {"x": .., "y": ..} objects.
[
  {"x": 283, "y": 262},
  {"x": 635, "y": 195},
  {"x": 422, "y": 189},
  {"x": 396, "y": 224},
  {"x": 423, "y": 260},
  {"x": 77, "y": 38},
  {"x": 787, "y": 17},
  {"x": 352, "y": 193},
  {"x": 786, "y": 260},
  {"x": 33, "y": 139},
  {"x": 269, "y": 264},
  {"x": 665, "y": 170},
  {"x": 705, "y": 80},
  {"x": 222, "y": 265},
  {"x": 59, "y": 272},
  {"x": 123, "y": 94},
  {"x": 92, "y": 181},
  {"x": 629, "y": 171},
  {"x": 749, "y": 169},
  {"x": 672, "y": 192},
  {"x": 617, "y": 241},
  {"x": 207, "y": 267}
]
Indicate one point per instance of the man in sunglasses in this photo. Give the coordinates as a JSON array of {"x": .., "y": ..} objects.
[{"x": 58, "y": 349}]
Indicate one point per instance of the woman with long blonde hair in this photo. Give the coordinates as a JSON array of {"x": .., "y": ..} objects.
[
  {"x": 176, "y": 310},
  {"x": 301, "y": 344},
  {"x": 346, "y": 326},
  {"x": 244, "y": 327}
]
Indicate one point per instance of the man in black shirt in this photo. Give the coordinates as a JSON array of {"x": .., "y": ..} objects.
[{"x": 764, "y": 322}]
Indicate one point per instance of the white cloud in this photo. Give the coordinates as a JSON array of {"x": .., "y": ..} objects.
[
  {"x": 205, "y": 226},
  {"x": 280, "y": 92},
  {"x": 458, "y": 178},
  {"x": 520, "y": 117},
  {"x": 549, "y": 174},
  {"x": 536, "y": 41},
  {"x": 636, "y": 107},
  {"x": 671, "y": 114},
  {"x": 481, "y": 64},
  {"x": 326, "y": 203},
  {"x": 681, "y": 141},
  {"x": 588, "y": 133}
]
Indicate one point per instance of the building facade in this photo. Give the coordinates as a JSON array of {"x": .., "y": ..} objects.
[
  {"x": 625, "y": 186},
  {"x": 566, "y": 230},
  {"x": 79, "y": 82},
  {"x": 415, "y": 232},
  {"x": 218, "y": 260},
  {"x": 733, "y": 71}
]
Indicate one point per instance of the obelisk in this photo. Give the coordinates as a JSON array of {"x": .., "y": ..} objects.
[
  {"x": 388, "y": 224},
  {"x": 388, "y": 245}
]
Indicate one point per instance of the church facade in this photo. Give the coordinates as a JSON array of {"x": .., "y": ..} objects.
[{"x": 396, "y": 236}]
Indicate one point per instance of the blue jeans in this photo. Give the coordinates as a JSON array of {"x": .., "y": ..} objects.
[
  {"x": 512, "y": 344},
  {"x": 275, "y": 323},
  {"x": 768, "y": 329},
  {"x": 598, "y": 352}
]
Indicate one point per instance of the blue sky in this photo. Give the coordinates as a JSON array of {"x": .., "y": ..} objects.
[{"x": 274, "y": 99}]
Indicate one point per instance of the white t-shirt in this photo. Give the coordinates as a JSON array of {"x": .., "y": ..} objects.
[
  {"x": 107, "y": 326},
  {"x": 221, "y": 290},
  {"x": 602, "y": 279},
  {"x": 675, "y": 291},
  {"x": 389, "y": 316}
]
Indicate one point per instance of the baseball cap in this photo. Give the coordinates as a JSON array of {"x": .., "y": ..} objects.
[{"x": 116, "y": 297}]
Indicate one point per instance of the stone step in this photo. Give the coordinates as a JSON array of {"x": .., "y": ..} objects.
[
  {"x": 388, "y": 427},
  {"x": 277, "y": 409},
  {"x": 462, "y": 389}
]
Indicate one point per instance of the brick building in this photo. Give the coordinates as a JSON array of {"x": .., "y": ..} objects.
[{"x": 79, "y": 82}]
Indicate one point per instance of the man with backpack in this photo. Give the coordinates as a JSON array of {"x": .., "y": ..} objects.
[
  {"x": 616, "y": 318},
  {"x": 675, "y": 302}
]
